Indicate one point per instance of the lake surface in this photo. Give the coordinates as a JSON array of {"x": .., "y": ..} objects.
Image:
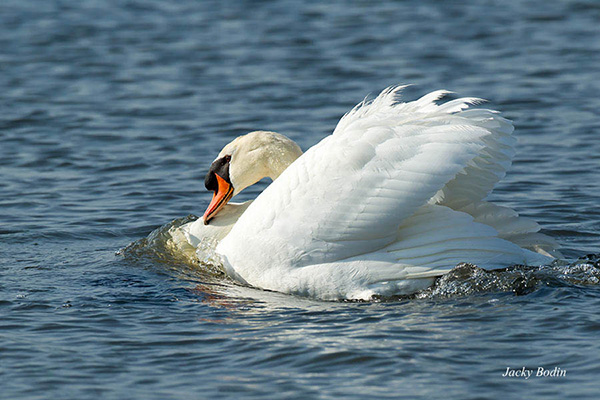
[{"x": 112, "y": 112}]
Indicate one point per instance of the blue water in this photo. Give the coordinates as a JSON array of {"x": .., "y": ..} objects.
[{"x": 111, "y": 112}]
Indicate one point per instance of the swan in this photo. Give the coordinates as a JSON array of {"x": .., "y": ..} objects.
[{"x": 394, "y": 198}]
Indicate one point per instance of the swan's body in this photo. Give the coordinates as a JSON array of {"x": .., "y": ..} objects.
[{"x": 394, "y": 198}]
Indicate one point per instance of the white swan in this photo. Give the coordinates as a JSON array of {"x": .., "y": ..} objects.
[{"x": 389, "y": 201}]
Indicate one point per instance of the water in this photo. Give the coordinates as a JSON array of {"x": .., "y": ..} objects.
[{"x": 111, "y": 112}]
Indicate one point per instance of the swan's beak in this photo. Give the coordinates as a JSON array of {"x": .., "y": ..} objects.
[{"x": 221, "y": 196}]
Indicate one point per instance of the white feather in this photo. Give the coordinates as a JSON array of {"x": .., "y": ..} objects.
[{"x": 371, "y": 208}]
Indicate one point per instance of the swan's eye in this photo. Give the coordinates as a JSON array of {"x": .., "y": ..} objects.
[{"x": 219, "y": 167}]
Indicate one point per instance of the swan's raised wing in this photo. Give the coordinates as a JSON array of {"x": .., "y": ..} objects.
[
  {"x": 348, "y": 194},
  {"x": 479, "y": 177}
]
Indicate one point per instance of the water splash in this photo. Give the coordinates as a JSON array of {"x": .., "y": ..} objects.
[
  {"x": 468, "y": 279},
  {"x": 168, "y": 248},
  {"x": 159, "y": 245}
]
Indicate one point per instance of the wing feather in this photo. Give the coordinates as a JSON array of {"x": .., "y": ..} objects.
[{"x": 349, "y": 194}]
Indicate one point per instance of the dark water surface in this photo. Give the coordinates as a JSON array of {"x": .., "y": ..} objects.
[{"x": 112, "y": 111}]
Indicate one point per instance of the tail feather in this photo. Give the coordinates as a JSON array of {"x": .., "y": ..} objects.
[{"x": 521, "y": 231}]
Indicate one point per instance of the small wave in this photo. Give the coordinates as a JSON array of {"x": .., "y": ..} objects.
[
  {"x": 468, "y": 279},
  {"x": 167, "y": 247}
]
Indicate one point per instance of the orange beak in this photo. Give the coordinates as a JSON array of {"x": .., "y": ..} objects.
[{"x": 220, "y": 198}]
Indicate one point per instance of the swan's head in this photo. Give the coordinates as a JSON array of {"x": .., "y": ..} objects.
[{"x": 245, "y": 161}]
